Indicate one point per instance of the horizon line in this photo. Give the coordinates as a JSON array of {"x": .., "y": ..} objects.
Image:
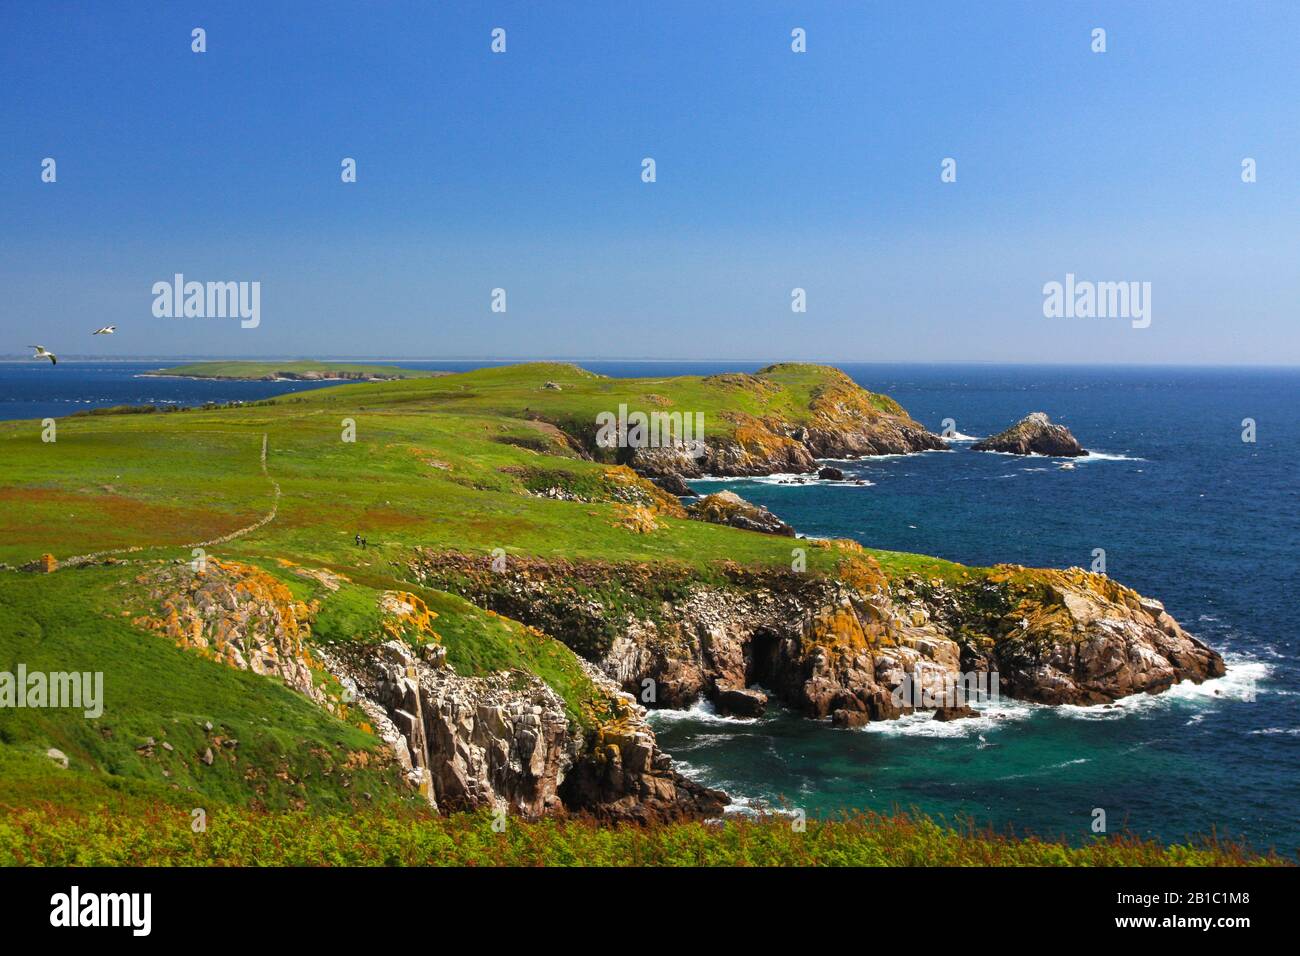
[{"x": 185, "y": 359}]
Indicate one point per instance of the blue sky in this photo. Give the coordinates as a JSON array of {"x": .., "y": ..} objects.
[{"x": 775, "y": 170}]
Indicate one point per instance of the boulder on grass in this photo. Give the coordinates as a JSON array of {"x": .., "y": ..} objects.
[{"x": 727, "y": 507}]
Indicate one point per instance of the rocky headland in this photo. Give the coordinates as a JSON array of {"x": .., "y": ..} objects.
[
  {"x": 842, "y": 420},
  {"x": 843, "y": 643}
]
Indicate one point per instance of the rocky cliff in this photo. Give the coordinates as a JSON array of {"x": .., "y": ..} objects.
[
  {"x": 504, "y": 741},
  {"x": 1065, "y": 637},
  {"x": 842, "y": 420},
  {"x": 844, "y": 643}
]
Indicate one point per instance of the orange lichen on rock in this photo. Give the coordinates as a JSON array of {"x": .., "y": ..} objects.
[
  {"x": 837, "y": 544},
  {"x": 861, "y": 572},
  {"x": 645, "y": 492},
  {"x": 407, "y": 617},
  {"x": 45, "y": 564},
  {"x": 758, "y": 438},
  {"x": 1071, "y": 578},
  {"x": 234, "y": 613},
  {"x": 839, "y": 629},
  {"x": 635, "y": 518},
  {"x": 843, "y": 402}
]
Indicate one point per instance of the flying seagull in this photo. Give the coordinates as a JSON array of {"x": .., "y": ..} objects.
[
  {"x": 106, "y": 330},
  {"x": 41, "y": 353}
]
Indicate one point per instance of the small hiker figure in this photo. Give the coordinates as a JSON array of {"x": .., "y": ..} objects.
[
  {"x": 363, "y": 543},
  {"x": 357, "y": 538}
]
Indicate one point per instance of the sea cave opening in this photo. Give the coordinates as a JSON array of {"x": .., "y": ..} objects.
[{"x": 763, "y": 658}]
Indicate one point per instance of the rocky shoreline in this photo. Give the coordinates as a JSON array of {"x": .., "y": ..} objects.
[
  {"x": 825, "y": 644},
  {"x": 834, "y": 646}
]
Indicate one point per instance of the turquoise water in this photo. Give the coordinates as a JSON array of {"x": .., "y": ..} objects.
[{"x": 1185, "y": 510}]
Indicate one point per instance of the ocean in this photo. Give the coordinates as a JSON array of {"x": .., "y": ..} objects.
[{"x": 1184, "y": 509}]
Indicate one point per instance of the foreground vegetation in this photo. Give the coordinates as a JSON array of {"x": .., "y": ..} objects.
[{"x": 49, "y": 837}]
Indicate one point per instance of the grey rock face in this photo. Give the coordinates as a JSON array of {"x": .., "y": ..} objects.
[
  {"x": 506, "y": 741},
  {"x": 1035, "y": 434}
]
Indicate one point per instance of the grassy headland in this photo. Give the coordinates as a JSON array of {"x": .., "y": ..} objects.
[{"x": 466, "y": 463}]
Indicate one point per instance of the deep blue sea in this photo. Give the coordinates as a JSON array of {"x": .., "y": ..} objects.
[{"x": 1184, "y": 509}]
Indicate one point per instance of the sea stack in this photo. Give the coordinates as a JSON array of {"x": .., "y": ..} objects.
[{"x": 1034, "y": 435}]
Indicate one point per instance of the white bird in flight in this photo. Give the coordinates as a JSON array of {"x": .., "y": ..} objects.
[
  {"x": 106, "y": 330},
  {"x": 41, "y": 353}
]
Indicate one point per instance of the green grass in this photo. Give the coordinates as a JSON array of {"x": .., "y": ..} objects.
[
  {"x": 159, "y": 835},
  {"x": 431, "y": 466},
  {"x": 290, "y": 753}
]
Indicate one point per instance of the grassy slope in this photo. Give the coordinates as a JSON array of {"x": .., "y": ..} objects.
[
  {"x": 260, "y": 370},
  {"x": 426, "y": 469},
  {"x": 439, "y": 462},
  {"x": 71, "y": 622}
]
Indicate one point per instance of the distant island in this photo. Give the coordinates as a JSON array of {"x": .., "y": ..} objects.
[{"x": 304, "y": 371}]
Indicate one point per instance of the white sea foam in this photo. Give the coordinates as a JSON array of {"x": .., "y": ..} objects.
[
  {"x": 848, "y": 482},
  {"x": 794, "y": 480},
  {"x": 702, "y": 711},
  {"x": 754, "y": 806},
  {"x": 923, "y": 724},
  {"x": 1238, "y": 683},
  {"x": 1106, "y": 456}
]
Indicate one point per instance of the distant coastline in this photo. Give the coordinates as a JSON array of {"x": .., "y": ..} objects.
[{"x": 304, "y": 371}]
